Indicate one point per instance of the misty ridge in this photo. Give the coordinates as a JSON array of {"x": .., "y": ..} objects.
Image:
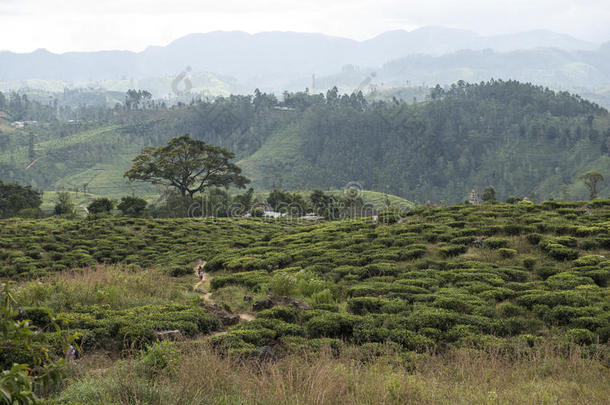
[{"x": 237, "y": 62}]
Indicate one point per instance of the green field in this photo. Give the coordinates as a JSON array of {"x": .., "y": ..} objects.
[{"x": 499, "y": 303}]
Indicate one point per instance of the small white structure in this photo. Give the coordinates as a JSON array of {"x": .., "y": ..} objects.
[
  {"x": 274, "y": 214},
  {"x": 311, "y": 217}
]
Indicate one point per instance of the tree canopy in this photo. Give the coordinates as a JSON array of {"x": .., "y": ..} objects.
[
  {"x": 519, "y": 137},
  {"x": 14, "y": 198},
  {"x": 187, "y": 164},
  {"x": 100, "y": 205}
]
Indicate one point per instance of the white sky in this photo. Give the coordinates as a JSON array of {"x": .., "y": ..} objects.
[{"x": 77, "y": 25}]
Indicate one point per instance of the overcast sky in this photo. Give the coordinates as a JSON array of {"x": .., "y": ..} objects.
[{"x": 77, "y": 25}]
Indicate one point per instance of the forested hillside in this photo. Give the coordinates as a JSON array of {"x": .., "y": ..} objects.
[{"x": 522, "y": 139}]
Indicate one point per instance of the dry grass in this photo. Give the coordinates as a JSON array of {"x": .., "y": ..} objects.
[
  {"x": 458, "y": 377},
  {"x": 104, "y": 284}
]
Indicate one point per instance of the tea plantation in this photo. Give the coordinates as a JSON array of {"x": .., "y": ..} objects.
[{"x": 506, "y": 276}]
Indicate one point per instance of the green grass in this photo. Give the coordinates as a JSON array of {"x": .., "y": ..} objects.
[{"x": 274, "y": 159}]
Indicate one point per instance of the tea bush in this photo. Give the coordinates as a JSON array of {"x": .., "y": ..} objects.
[{"x": 461, "y": 275}]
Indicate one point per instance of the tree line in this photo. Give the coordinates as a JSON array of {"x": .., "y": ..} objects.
[{"x": 526, "y": 140}]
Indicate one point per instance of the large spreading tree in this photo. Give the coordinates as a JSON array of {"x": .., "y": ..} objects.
[{"x": 189, "y": 165}]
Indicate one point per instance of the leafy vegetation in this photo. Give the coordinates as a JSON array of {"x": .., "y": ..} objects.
[
  {"x": 494, "y": 278},
  {"x": 187, "y": 164},
  {"x": 28, "y": 369},
  {"x": 16, "y": 200},
  {"x": 443, "y": 274},
  {"x": 392, "y": 284},
  {"x": 434, "y": 150}
]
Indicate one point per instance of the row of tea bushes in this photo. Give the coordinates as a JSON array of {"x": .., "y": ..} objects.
[
  {"x": 33, "y": 248},
  {"x": 134, "y": 328},
  {"x": 434, "y": 277},
  {"x": 437, "y": 277},
  {"x": 425, "y": 328}
]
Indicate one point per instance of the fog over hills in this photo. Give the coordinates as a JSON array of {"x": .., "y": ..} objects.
[
  {"x": 248, "y": 57},
  {"x": 235, "y": 62}
]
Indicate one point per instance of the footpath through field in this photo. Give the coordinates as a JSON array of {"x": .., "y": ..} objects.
[{"x": 203, "y": 287}]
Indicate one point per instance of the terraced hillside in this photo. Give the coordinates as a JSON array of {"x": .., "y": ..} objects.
[
  {"x": 493, "y": 282},
  {"x": 492, "y": 274}
]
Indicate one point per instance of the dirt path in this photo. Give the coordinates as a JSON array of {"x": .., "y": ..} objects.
[{"x": 205, "y": 285}]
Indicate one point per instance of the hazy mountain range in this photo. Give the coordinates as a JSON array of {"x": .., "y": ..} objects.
[{"x": 275, "y": 61}]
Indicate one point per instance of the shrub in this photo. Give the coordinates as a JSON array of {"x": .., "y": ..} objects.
[
  {"x": 40, "y": 316},
  {"x": 364, "y": 305},
  {"x": 507, "y": 253},
  {"x": 232, "y": 344},
  {"x": 563, "y": 314},
  {"x": 495, "y": 243},
  {"x": 283, "y": 284},
  {"x": 567, "y": 241},
  {"x": 436, "y": 318},
  {"x": 134, "y": 207},
  {"x": 178, "y": 271},
  {"x": 462, "y": 240},
  {"x": 515, "y": 325},
  {"x": 157, "y": 358},
  {"x": 547, "y": 271},
  {"x": 603, "y": 242},
  {"x": 600, "y": 277},
  {"x": 580, "y": 336},
  {"x": 324, "y": 297},
  {"x": 567, "y": 281},
  {"x": 591, "y": 323},
  {"x": 257, "y": 337},
  {"x": 509, "y": 310},
  {"x": 331, "y": 325},
  {"x": 100, "y": 206},
  {"x": 326, "y": 307},
  {"x": 513, "y": 229},
  {"x": 558, "y": 252},
  {"x": 588, "y": 261},
  {"x": 529, "y": 263},
  {"x": 278, "y": 326},
  {"x": 534, "y": 238},
  {"x": 453, "y": 250},
  {"x": 552, "y": 298},
  {"x": 286, "y": 314},
  {"x": 412, "y": 253},
  {"x": 411, "y": 340},
  {"x": 368, "y": 331},
  {"x": 604, "y": 334},
  {"x": 387, "y": 217}
]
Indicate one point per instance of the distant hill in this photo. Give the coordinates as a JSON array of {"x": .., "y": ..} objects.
[
  {"x": 522, "y": 139},
  {"x": 582, "y": 71},
  {"x": 266, "y": 60},
  {"x": 549, "y": 66}
]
